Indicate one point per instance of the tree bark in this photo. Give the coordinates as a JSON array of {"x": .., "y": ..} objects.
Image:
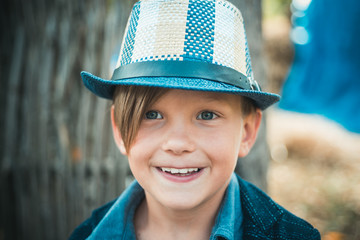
[
  {"x": 254, "y": 167},
  {"x": 58, "y": 159}
]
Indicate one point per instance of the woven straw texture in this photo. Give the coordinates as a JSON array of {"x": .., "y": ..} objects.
[
  {"x": 210, "y": 31},
  {"x": 201, "y": 30}
]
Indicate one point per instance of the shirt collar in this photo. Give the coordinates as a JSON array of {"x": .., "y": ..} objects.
[
  {"x": 228, "y": 224},
  {"x": 118, "y": 221}
]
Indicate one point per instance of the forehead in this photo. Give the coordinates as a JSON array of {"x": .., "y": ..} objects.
[{"x": 200, "y": 97}]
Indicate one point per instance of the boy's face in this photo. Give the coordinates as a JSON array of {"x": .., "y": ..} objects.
[{"x": 187, "y": 147}]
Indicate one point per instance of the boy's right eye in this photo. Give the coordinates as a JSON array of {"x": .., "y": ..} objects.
[{"x": 153, "y": 115}]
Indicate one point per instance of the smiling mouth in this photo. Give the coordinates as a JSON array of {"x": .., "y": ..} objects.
[{"x": 180, "y": 172}]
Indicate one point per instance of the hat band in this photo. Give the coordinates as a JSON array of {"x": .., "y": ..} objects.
[{"x": 184, "y": 69}]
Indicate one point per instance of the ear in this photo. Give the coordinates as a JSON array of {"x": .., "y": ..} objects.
[
  {"x": 116, "y": 133},
  {"x": 251, "y": 126}
]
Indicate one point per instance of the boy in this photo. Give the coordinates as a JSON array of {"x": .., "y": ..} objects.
[{"x": 185, "y": 107}]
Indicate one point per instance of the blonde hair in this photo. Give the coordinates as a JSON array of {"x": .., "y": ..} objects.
[
  {"x": 132, "y": 102},
  {"x": 130, "y": 105}
]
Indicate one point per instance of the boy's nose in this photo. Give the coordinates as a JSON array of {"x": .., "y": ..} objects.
[{"x": 178, "y": 141}]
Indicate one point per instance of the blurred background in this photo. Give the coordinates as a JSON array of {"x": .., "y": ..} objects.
[
  {"x": 313, "y": 60},
  {"x": 58, "y": 161}
]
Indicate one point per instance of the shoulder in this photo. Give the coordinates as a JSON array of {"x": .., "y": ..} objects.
[
  {"x": 86, "y": 228},
  {"x": 119, "y": 211},
  {"x": 265, "y": 219}
]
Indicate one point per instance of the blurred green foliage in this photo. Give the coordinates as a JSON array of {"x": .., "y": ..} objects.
[{"x": 273, "y": 8}]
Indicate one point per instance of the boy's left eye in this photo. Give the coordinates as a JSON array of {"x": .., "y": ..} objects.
[{"x": 207, "y": 115}]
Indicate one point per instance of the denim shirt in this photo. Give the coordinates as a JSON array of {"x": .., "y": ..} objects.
[
  {"x": 246, "y": 212},
  {"x": 118, "y": 221}
]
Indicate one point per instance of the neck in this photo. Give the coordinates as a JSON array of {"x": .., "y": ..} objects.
[{"x": 155, "y": 221}]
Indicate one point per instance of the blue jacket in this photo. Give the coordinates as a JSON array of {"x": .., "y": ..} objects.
[{"x": 246, "y": 213}]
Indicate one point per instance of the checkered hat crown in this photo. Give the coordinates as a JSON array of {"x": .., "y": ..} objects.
[
  {"x": 185, "y": 44},
  {"x": 186, "y": 30}
]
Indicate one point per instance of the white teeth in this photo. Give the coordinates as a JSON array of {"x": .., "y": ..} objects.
[
  {"x": 182, "y": 171},
  {"x": 174, "y": 170},
  {"x": 166, "y": 169}
]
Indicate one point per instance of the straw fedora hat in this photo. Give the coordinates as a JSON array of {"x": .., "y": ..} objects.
[{"x": 184, "y": 44}]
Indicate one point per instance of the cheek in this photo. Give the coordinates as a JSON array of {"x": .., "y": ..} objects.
[
  {"x": 136, "y": 157},
  {"x": 223, "y": 149},
  {"x": 138, "y": 169},
  {"x": 141, "y": 151},
  {"x": 228, "y": 139}
]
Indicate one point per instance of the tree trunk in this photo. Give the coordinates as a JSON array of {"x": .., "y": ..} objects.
[
  {"x": 58, "y": 159},
  {"x": 254, "y": 166}
]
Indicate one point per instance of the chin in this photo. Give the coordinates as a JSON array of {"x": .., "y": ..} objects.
[
  {"x": 181, "y": 203},
  {"x": 182, "y": 207}
]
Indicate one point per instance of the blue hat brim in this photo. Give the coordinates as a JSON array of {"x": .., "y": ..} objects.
[{"x": 105, "y": 88}]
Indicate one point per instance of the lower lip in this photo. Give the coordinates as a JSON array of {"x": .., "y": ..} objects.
[{"x": 181, "y": 179}]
